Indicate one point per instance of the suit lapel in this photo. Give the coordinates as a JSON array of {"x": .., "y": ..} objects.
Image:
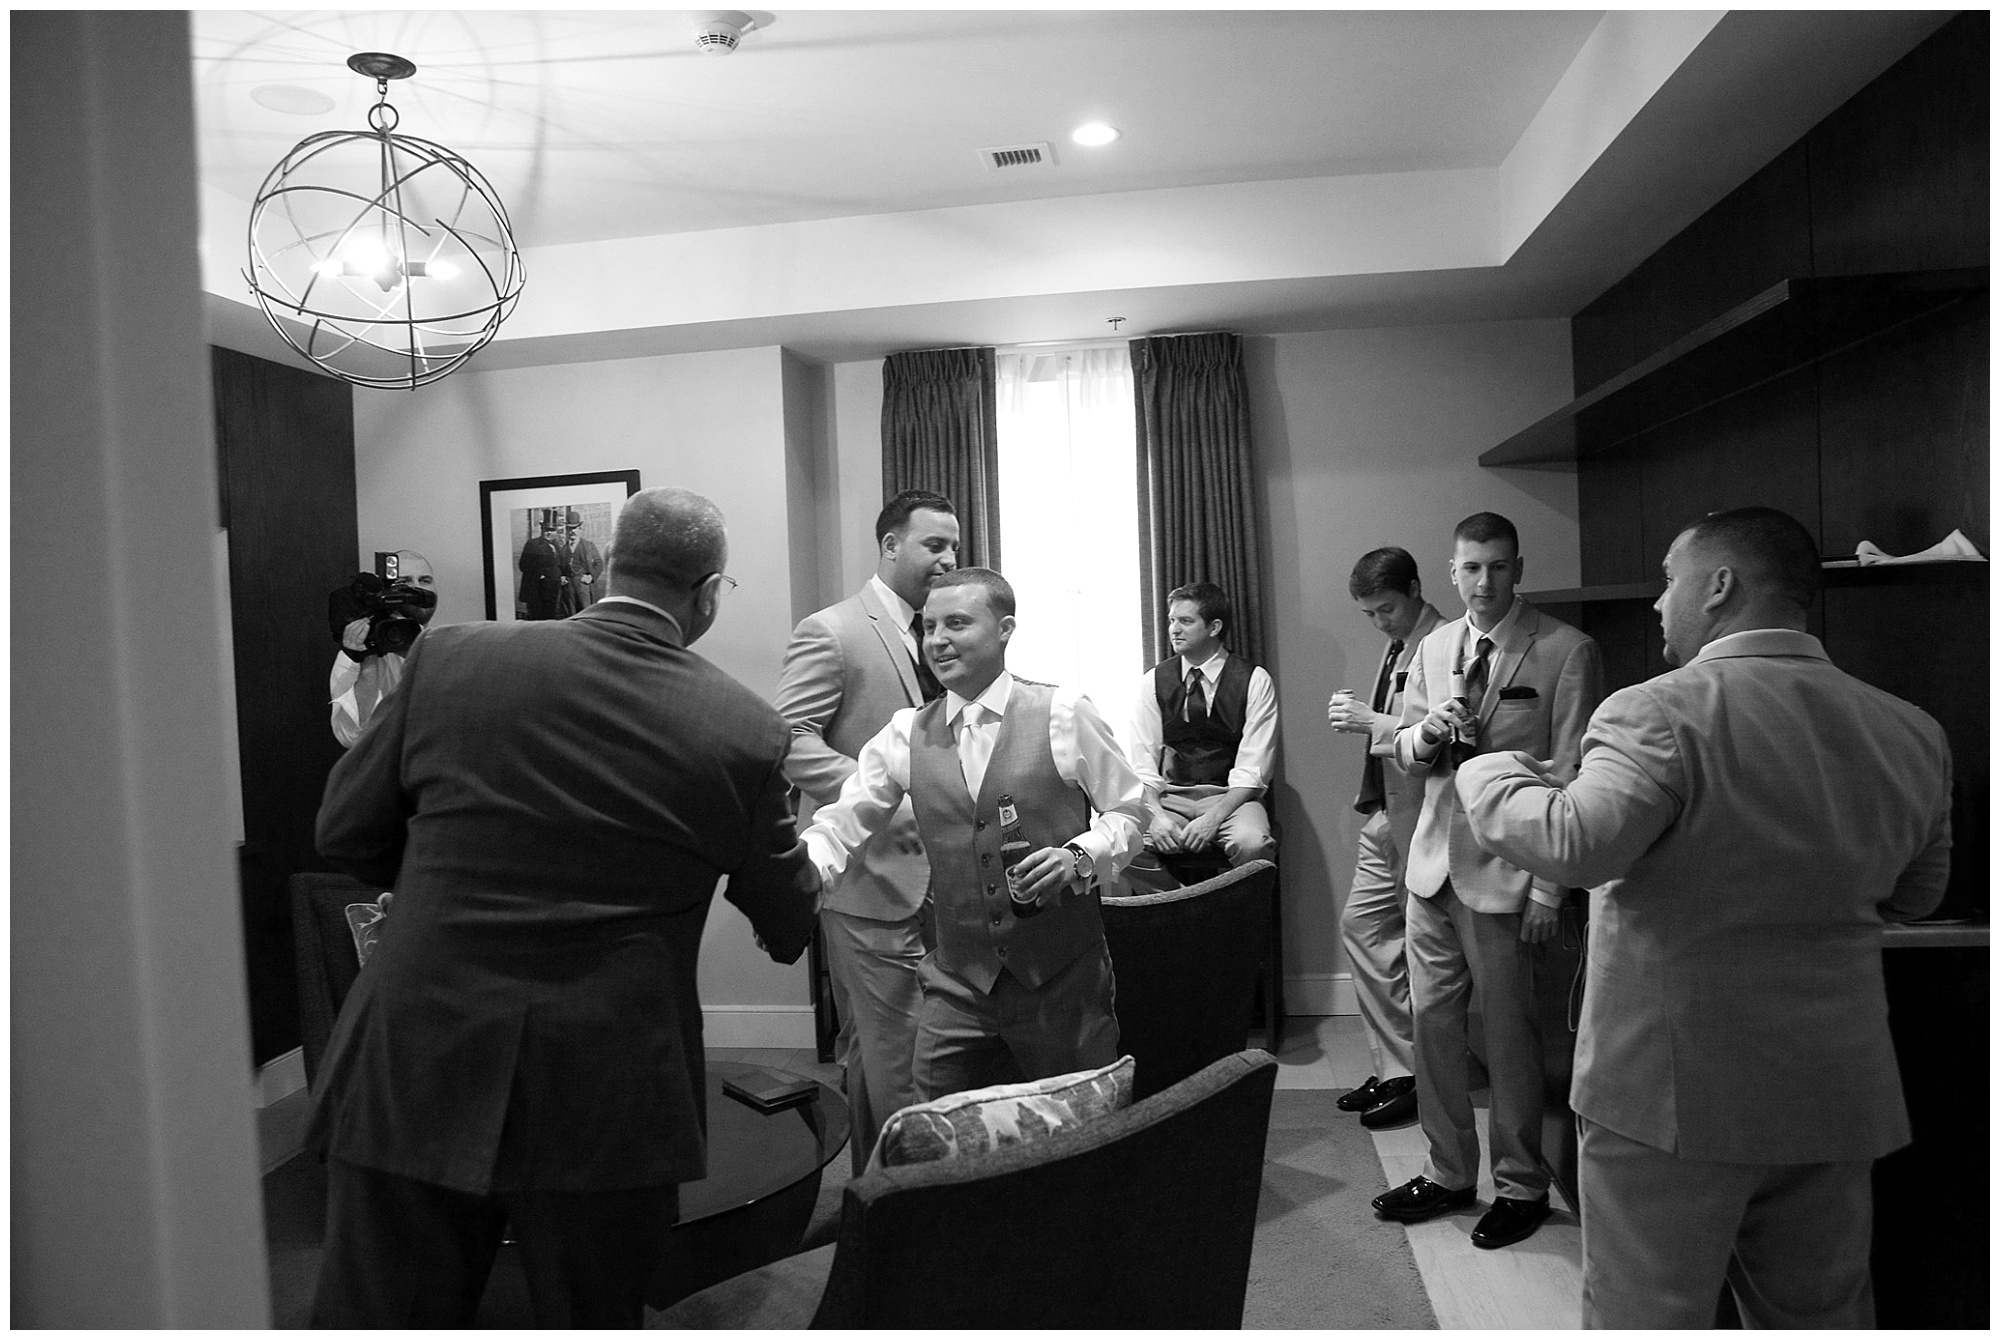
[
  {"x": 891, "y": 637},
  {"x": 1508, "y": 661}
]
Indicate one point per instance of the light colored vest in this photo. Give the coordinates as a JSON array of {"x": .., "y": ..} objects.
[{"x": 978, "y": 935}]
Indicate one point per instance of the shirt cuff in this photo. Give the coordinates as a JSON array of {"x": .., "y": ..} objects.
[
  {"x": 1544, "y": 894},
  {"x": 826, "y": 856}
]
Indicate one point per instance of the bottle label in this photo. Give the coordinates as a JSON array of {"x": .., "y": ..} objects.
[{"x": 1008, "y": 815}]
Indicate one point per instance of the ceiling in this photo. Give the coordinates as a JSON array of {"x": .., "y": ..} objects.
[{"x": 831, "y": 135}]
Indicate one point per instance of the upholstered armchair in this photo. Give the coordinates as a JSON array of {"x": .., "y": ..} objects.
[
  {"x": 1187, "y": 962},
  {"x": 1142, "y": 1217}
]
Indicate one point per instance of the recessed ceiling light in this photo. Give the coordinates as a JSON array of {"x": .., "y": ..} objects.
[
  {"x": 1094, "y": 133},
  {"x": 291, "y": 99}
]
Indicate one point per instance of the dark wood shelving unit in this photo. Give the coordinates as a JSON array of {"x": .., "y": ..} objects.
[
  {"x": 1785, "y": 327},
  {"x": 1956, "y": 573}
]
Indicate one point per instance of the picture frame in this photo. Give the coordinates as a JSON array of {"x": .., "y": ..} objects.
[{"x": 551, "y": 580}]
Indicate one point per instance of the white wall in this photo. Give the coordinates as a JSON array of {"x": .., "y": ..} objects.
[
  {"x": 134, "y": 1158},
  {"x": 857, "y": 463},
  {"x": 712, "y": 422},
  {"x": 1367, "y": 438}
]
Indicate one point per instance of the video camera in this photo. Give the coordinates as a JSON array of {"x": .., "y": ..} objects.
[{"x": 396, "y": 613}]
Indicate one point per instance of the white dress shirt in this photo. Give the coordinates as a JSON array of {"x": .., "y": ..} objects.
[
  {"x": 357, "y": 688},
  {"x": 1086, "y": 756},
  {"x": 1260, "y": 726}
]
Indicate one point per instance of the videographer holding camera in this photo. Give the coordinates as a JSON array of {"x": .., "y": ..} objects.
[{"x": 375, "y": 618}]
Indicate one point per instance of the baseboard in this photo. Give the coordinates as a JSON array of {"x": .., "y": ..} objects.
[
  {"x": 1320, "y": 994},
  {"x": 787, "y": 1026}
]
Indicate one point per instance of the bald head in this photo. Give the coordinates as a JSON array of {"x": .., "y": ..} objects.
[{"x": 666, "y": 537}]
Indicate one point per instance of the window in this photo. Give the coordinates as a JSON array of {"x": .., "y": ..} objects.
[{"x": 1069, "y": 529}]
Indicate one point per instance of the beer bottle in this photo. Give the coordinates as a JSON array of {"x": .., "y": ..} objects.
[{"x": 1013, "y": 850}]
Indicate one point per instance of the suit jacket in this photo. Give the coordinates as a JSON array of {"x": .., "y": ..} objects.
[
  {"x": 1402, "y": 795},
  {"x": 1545, "y": 679},
  {"x": 1751, "y": 820},
  {"x": 554, "y": 803},
  {"x": 541, "y": 579},
  {"x": 846, "y": 673},
  {"x": 586, "y": 560}
]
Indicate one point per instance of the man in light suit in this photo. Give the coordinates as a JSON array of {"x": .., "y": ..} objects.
[
  {"x": 1506, "y": 676},
  {"x": 553, "y": 802},
  {"x": 1747, "y": 822},
  {"x": 848, "y": 669},
  {"x": 1385, "y": 585}
]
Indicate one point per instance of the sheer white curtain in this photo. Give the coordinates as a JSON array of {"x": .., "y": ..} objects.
[{"x": 1069, "y": 520}]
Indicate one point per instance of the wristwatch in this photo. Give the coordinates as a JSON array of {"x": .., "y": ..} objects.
[{"x": 1080, "y": 863}]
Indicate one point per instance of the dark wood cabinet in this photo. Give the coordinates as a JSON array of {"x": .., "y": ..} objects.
[{"x": 285, "y": 444}]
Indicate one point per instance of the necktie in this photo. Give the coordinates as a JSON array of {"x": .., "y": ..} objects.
[
  {"x": 1475, "y": 674},
  {"x": 1371, "y": 795},
  {"x": 1380, "y": 702},
  {"x": 1475, "y": 693},
  {"x": 1197, "y": 700},
  {"x": 975, "y": 747},
  {"x": 926, "y": 680}
]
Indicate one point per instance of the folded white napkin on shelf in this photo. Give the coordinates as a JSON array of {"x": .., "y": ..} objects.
[{"x": 1953, "y": 548}]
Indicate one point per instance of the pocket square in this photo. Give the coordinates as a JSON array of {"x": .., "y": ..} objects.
[{"x": 1516, "y": 694}]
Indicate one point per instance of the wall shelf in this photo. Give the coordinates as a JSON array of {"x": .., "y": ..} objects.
[
  {"x": 1891, "y": 574},
  {"x": 1937, "y": 935},
  {"x": 1785, "y": 327}
]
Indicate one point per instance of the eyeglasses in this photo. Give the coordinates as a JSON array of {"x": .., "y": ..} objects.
[{"x": 728, "y": 583}]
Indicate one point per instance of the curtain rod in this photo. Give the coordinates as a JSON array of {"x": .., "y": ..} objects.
[{"x": 1110, "y": 340}]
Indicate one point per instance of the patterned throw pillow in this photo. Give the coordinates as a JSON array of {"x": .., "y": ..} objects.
[{"x": 1007, "y": 1114}]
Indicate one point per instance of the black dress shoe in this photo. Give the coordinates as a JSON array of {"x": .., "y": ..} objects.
[
  {"x": 1510, "y": 1220},
  {"x": 1396, "y": 1104},
  {"x": 1420, "y": 1198},
  {"x": 1361, "y": 1099}
]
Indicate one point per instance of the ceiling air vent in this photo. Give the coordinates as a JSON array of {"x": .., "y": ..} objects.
[{"x": 1019, "y": 156}]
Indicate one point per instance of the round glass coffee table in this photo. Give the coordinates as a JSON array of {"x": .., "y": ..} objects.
[{"x": 763, "y": 1180}]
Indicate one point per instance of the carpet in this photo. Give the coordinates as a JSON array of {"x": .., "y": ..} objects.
[{"x": 1321, "y": 1259}]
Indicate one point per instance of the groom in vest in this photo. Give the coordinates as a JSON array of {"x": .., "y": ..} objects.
[
  {"x": 1005, "y": 995},
  {"x": 1204, "y": 730}
]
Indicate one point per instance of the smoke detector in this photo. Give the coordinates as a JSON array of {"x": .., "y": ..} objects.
[{"x": 719, "y": 31}]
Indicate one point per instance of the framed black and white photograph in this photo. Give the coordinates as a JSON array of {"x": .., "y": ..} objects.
[{"x": 545, "y": 541}]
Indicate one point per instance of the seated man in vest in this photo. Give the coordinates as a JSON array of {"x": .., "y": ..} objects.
[
  {"x": 1001, "y": 772},
  {"x": 1203, "y": 734}
]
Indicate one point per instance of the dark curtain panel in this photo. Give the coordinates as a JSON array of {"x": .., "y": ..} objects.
[
  {"x": 940, "y": 431},
  {"x": 1196, "y": 508}
]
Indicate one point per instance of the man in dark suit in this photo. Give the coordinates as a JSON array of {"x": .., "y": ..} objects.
[
  {"x": 553, "y": 803},
  {"x": 848, "y": 669},
  {"x": 1745, "y": 823},
  {"x": 1506, "y": 676},
  {"x": 541, "y": 567}
]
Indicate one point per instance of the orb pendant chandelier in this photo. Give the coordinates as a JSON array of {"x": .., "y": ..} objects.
[{"x": 385, "y": 259}]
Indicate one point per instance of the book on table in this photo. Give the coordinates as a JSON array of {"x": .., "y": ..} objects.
[{"x": 769, "y": 1090}]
